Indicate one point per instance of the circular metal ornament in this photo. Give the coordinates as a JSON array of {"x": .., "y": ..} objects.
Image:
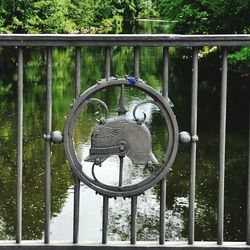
[{"x": 170, "y": 153}]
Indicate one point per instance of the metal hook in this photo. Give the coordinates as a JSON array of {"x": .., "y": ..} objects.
[
  {"x": 93, "y": 170},
  {"x": 92, "y": 100},
  {"x": 138, "y": 120}
]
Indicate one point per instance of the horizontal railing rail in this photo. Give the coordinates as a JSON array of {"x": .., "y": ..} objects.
[
  {"x": 136, "y": 41},
  {"x": 142, "y": 245},
  {"x": 125, "y": 40}
]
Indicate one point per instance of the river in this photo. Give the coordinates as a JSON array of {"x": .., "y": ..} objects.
[{"x": 148, "y": 205}]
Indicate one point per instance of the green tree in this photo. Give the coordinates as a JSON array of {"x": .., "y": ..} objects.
[
  {"x": 49, "y": 17},
  {"x": 206, "y": 17},
  {"x": 33, "y": 16},
  {"x": 81, "y": 13}
]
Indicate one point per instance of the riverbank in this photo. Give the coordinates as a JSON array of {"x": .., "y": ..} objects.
[{"x": 106, "y": 24}]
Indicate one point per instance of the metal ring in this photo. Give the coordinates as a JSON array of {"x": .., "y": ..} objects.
[{"x": 170, "y": 153}]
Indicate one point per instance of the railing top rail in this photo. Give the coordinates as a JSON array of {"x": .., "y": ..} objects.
[
  {"x": 124, "y": 39},
  {"x": 141, "y": 245}
]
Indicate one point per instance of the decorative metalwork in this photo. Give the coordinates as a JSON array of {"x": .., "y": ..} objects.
[{"x": 121, "y": 136}]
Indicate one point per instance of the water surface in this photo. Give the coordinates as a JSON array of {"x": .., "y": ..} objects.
[{"x": 148, "y": 205}]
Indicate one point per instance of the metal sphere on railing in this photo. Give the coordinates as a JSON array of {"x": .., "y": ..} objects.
[
  {"x": 57, "y": 137},
  {"x": 185, "y": 137}
]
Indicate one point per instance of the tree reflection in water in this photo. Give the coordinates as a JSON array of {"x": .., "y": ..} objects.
[{"x": 177, "y": 186}]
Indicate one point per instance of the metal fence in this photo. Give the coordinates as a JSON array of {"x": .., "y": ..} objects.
[{"x": 136, "y": 41}]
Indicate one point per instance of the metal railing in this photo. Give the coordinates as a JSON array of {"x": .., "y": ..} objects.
[{"x": 136, "y": 41}]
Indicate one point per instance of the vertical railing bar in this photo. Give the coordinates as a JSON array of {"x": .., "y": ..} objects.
[
  {"x": 165, "y": 72},
  {"x": 76, "y": 210},
  {"x": 19, "y": 147},
  {"x": 163, "y": 193},
  {"x": 134, "y": 198},
  {"x": 106, "y": 198},
  {"x": 194, "y": 107},
  {"x": 222, "y": 147},
  {"x": 105, "y": 219},
  {"x": 136, "y": 62},
  {"x": 133, "y": 220},
  {"x": 163, "y": 184},
  {"x": 78, "y": 71},
  {"x": 121, "y": 171},
  {"x": 48, "y": 147},
  {"x": 107, "y": 62},
  {"x": 248, "y": 186},
  {"x": 77, "y": 181}
]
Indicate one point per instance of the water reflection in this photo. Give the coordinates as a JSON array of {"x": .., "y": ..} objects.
[{"x": 63, "y": 94}]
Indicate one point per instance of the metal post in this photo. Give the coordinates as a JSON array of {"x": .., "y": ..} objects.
[
  {"x": 194, "y": 105},
  {"x": 105, "y": 219},
  {"x": 78, "y": 71},
  {"x": 121, "y": 170},
  {"x": 19, "y": 179},
  {"x": 105, "y": 198},
  {"x": 48, "y": 147},
  {"x": 133, "y": 219},
  {"x": 223, "y": 111},
  {"x": 76, "y": 210},
  {"x": 107, "y": 62},
  {"x": 137, "y": 62},
  {"x": 163, "y": 184},
  {"x": 248, "y": 186},
  {"x": 163, "y": 200},
  {"x": 77, "y": 181},
  {"x": 165, "y": 72}
]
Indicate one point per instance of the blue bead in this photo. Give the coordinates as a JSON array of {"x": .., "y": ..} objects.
[{"x": 131, "y": 80}]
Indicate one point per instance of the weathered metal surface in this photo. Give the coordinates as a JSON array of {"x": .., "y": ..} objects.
[
  {"x": 163, "y": 201},
  {"x": 107, "y": 62},
  {"x": 19, "y": 180},
  {"x": 76, "y": 214},
  {"x": 136, "y": 62},
  {"x": 56, "y": 137},
  {"x": 223, "y": 111},
  {"x": 143, "y": 245},
  {"x": 105, "y": 213},
  {"x": 123, "y": 137},
  {"x": 111, "y": 138},
  {"x": 48, "y": 147},
  {"x": 163, "y": 183},
  {"x": 194, "y": 109},
  {"x": 126, "y": 40},
  {"x": 165, "y": 72},
  {"x": 137, "y": 41},
  {"x": 185, "y": 137},
  {"x": 121, "y": 105},
  {"x": 133, "y": 224},
  {"x": 77, "y": 72}
]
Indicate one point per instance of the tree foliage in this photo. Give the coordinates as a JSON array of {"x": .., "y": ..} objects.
[
  {"x": 65, "y": 16},
  {"x": 210, "y": 17},
  {"x": 205, "y": 16}
]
